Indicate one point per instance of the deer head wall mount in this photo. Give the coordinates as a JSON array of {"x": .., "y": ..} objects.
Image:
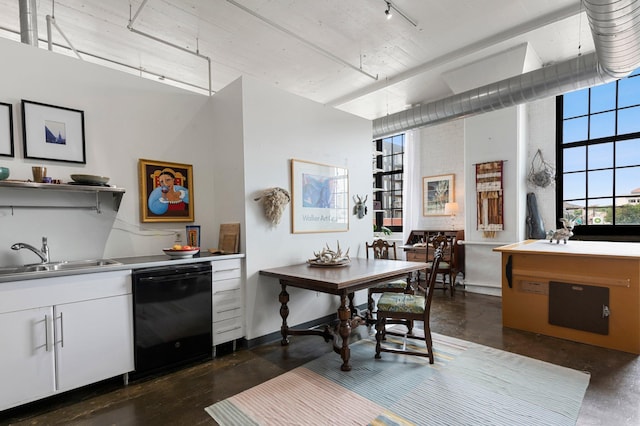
[{"x": 360, "y": 207}]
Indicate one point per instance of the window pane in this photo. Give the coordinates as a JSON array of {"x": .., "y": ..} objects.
[
  {"x": 575, "y": 103},
  {"x": 397, "y": 162},
  {"x": 628, "y": 210},
  {"x": 387, "y": 146},
  {"x": 575, "y": 129},
  {"x": 629, "y": 92},
  {"x": 628, "y": 153},
  {"x": 600, "y": 183},
  {"x": 601, "y": 156},
  {"x": 602, "y": 125},
  {"x": 574, "y": 185},
  {"x": 628, "y": 120},
  {"x": 600, "y": 212},
  {"x": 603, "y": 97},
  {"x": 575, "y": 159},
  {"x": 575, "y": 210},
  {"x": 628, "y": 181}
]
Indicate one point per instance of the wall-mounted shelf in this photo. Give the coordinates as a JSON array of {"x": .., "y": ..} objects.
[{"x": 42, "y": 188}]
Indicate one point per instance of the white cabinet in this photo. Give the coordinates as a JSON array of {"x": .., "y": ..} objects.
[
  {"x": 62, "y": 333},
  {"x": 26, "y": 357},
  {"x": 228, "y": 301}
]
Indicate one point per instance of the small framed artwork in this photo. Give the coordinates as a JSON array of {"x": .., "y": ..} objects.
[
  {"x": 436, "y": 192},
  {"x": 53, "y": 133},
  {"x": 166, "y": 191},
  {"x": 6, "y": 130},
  {"x": 320, "y": 197},
  {"x": 193, "y": 235}
]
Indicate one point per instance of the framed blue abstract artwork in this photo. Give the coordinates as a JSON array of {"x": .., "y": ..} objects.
[{"x": 320, "y": 197}]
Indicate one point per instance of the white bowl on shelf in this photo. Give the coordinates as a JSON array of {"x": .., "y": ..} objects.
[{"x": 180, "y": 254}]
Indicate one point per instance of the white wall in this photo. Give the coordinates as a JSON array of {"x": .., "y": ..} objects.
[
  {"x": 277, "y": 127},
  {"x": 542, "y": 135},
  {"x": 126, "y": 118},
  {"x": 442, "y": 152}
]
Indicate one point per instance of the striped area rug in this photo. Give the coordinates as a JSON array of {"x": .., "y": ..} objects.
[{"x": 469, "y": 384}]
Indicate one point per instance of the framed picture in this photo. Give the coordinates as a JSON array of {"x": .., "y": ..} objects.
[
  {"x": 436, "y": 192},
  {"x": 6, "y": 130},
  {"x": 166, "y": 191},
  {"x": 319, "y": 198},
  {"x": 53, "y": 133}
]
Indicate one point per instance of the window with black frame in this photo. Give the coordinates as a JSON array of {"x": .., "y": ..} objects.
[
  {"x": 388, "y": 182},
  {"x": 598, "y": 158}
]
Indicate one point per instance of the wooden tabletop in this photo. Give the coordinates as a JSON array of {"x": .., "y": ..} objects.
[
  {"x": 359, "y": 274},
  {"x": 622, "y": 250}
]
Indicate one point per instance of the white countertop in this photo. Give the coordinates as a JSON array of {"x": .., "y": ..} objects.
[{"x": 126, "y": 263}]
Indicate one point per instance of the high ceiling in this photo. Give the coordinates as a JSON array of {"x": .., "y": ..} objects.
[{"x": 342, "y": 53}]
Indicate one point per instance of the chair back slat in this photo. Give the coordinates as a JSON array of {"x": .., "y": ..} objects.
[{"x": 381, "y": 249}]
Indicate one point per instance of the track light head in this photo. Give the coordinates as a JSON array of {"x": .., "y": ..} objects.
[{"x": 388, "y": 11}]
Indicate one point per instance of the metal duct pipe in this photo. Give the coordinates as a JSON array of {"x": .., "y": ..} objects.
[
  {"x": 615, "y": 25},
  {"x": 28, "y": 22}
]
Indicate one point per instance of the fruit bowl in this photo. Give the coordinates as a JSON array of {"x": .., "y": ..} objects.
[{"x": 180, "y": 253}]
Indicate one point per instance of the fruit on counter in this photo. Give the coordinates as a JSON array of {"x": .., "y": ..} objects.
[{"x": 181, "y": 247}]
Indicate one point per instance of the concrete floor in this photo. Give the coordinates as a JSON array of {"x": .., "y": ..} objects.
[{"x": 612, "y": 398}]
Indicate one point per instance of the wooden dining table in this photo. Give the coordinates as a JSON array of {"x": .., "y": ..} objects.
[{"x": 342, "y": 281}]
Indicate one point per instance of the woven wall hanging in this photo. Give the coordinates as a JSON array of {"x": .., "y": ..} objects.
[{"x": 489, "y": 198}]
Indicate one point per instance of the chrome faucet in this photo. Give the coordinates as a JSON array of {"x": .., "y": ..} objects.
[{"x": 43, "y": 253}]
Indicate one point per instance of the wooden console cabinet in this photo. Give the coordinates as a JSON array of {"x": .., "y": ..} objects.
[{"x": 584, "y": 291}]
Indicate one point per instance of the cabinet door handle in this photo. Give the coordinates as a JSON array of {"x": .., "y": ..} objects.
[
  {"x": 61, "y": 332},
  {"x": 46, "y": 333}
]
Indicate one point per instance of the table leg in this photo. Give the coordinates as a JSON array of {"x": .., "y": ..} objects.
[
  {"x": 351, "y": 305},
  {"x": 284, "y": 313},
  {"x": 344, "y": 314}
]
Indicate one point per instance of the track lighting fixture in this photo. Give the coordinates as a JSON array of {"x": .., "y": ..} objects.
[
  {"x": 388, "y": 11},
  {"x": 395, "y": 8}
]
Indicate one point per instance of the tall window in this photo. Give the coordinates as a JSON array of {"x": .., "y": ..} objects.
[
  {"x": 598, "y": 152},
  {"x": 387, "y": 182}
]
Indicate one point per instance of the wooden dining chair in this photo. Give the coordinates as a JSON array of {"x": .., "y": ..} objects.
[
  {"x": 446, "y": 267},
  {"x": 400, "y": 308},
  {"x": 382, "y": 249}
]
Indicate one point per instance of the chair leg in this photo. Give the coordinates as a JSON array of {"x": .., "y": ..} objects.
[
  {"x": 380, "y": 326},
  {"x": 370, "y": 306},
  {"x": 452, "y": 283},
  {"x": 429, "y": 342}
]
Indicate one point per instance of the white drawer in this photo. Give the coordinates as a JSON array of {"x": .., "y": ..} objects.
[
  {"x": 225, "y": 269},
  {"x": 223, "y": 286},
  {"x": 226, "y": 302},
  {"x": 227, "y": 312},
  {"x": 227, "y": 330}
]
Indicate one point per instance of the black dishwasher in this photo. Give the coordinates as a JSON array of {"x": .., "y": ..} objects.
[{"x": 172, "y": 316}]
